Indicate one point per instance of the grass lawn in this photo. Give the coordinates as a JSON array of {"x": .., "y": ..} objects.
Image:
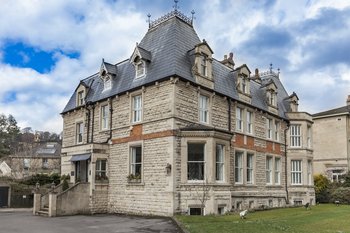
[{"x": 321, "y": 218}]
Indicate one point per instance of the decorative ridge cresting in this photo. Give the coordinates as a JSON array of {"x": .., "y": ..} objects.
[{"x": 174, "y": 13}]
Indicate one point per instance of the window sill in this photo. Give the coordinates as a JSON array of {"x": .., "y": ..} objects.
[
  {"x": 104, "y": 130},
  {"x": 135, "y": 183}
]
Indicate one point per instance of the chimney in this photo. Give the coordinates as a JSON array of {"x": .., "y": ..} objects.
[
  {"x": 348, "y": 101},
  {"x": 228, "y": 61},
  {"x": 256, "y": 76}
]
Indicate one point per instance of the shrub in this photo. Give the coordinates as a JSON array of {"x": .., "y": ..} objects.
[
  {"x": 341, "y": 194},
  {"x": 42, "y": 179},
  {"x": 65, "y": 184},
  {"x": 322, "y": 188}
]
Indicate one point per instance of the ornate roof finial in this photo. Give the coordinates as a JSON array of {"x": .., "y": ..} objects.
[
  {"x": 270, "y": 67},
  {"x": 192, "y": 12},
  {"x": 176, "y": 7},
  {"x": 149, "y": 20}
]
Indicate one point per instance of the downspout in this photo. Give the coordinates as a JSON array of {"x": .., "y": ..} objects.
[
  {"x": 88, "y": 122},
  {"x": 92, "y": 124},
  {"x": 87, "y": 105},
  {"x": 285, "y": 164},
  {"x": 110, "y": 119},
  {"x": 229, "y": 114}
]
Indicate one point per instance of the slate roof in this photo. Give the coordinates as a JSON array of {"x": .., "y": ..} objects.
[
  {"x": 167, "y": 45},
  {"x": 335, "y": 111}
]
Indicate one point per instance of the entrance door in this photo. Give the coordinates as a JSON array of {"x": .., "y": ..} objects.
[
  {"x": 4, "y": 194},
  {"x": 81, "y": 171}
]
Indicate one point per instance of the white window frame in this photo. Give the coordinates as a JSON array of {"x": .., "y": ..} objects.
[
  {"x": 99, "y": 171},
  {"x": 134, "y": 164},
  {"x": 137, "y": 108},
  {"x": 269, "y": 128},
  {"x": 309, "y": 135},
  {"x": 244, "y": 85},
  {"x": 277, "y": 170},
  {"x": 309, "y": 172},
  {"x": 104, "y": 117},
  {"x": 140, "y": 68},
  {"x": 249, "y": 117},
  {"x": 81, "y": 98},
  {"x": 239, "y": 119},
  {"x": 239, "y": 167},
  {"x": 79, "y": 132},
  {"x": 26, "y": 163},
  {"x": 204, "y": 65},
  {"x": 277, "y": 130},
  {"x": 204, "y": 109},
  {"x": 250, "y": 168},
  {"x": 269, "y": 168},
  {"x": 107, "y": 83},
  {"x": 45, "y": 162},
  {"x": 198, "y": 162},
  {"x": 295, "y": 136},
  {"x": 220, "y": 163},
  {"x": 296, "y": 172}
]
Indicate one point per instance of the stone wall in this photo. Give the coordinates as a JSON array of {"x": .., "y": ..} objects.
[
  {"x": 74, "y": 200},
  {"x": 153, "y": 195},
  {"x": 99, "y": 199}
]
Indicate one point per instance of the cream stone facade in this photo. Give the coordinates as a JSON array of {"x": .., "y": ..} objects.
[
  {"x": 331, "y": 134},
  {"x": 185, "y": 132}
]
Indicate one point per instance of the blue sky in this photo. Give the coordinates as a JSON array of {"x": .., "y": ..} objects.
[{"x": 46, "y": 47}]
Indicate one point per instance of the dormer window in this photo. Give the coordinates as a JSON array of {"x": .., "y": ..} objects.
[
  {"x": 140, "y": 67},
  {"x": 107, "y": 73},
  {"x": 140, "y": 58},
  {"x": 107, "y": 83},
  {"x": 244, "y": 85},
  {"x": 204, "y": 68},
  {"x": 271, "y": 98},
  {"x": 81, "y": 98}
]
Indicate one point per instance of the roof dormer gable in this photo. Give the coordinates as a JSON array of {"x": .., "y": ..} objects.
[
  {"x": 107, "y": 72},
  {"x": 81, "y": 93},
  {"x": 243, "y": 81},
  {"x": 293, "y": 102},
  {"x": 271, "y": 94},
  {"x": 140, "y": 59},
  {"x": 202, "y": 69}
]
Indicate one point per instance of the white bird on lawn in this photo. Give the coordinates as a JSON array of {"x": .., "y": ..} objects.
[{"x": 243, "y": 213}]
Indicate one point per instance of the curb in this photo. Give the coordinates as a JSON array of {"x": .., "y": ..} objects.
[
  {"x": 11, "y": 210},
  {"x": 179, "y": 225}
]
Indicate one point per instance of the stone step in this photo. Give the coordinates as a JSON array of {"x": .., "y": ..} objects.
[
  {"x": 45, "y": 209},
  {"x": 43, "y": 213}
]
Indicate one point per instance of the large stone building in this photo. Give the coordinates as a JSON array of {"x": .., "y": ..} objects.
[
  {"x": 173, "y": 130},
  {"x": 331, "y": 136},
  {"x": 31, "y": 159}
]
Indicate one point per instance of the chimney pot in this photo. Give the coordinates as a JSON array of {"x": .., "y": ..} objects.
[
  {"x": 225, "y": 57},
  {"x": 348, "y": 101}
]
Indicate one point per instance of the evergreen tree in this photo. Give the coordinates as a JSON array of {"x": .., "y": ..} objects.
[{"x": 9, "y": 132}]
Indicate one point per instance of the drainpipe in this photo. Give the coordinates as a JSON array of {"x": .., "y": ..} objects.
[
  {"x": 229, "y": 114},
  {"x": 110, "y": 119},
  {"x": 88, "y": 115},
  {"x": 92, "y": 124},
  {"x": 285, "y": 164}
]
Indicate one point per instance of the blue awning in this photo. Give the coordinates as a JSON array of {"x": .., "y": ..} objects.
[{"x": 80, "y": 157}]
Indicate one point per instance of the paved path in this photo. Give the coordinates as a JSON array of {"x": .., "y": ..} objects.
[{"x": 24, "y": 222}]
